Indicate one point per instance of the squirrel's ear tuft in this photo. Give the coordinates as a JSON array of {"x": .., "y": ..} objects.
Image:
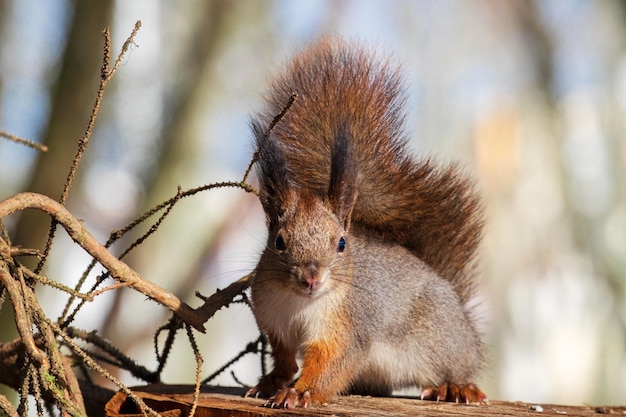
[
  {"x": 342, "y": 189},
  {"x": 274, "y": 176}
]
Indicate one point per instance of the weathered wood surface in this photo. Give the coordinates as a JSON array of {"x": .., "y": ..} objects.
[{"x": 176, "y": 400}]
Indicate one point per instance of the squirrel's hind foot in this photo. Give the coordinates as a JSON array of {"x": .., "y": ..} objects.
[{"x": 459, "y": 393}]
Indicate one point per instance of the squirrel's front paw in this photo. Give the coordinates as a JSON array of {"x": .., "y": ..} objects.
[
  {"x": 290, "y": 398},
  {"x": 268, "y": 385},
  {"x": 459, "y": 393}
]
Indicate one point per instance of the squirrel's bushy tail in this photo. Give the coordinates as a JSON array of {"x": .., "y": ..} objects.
[{"x": 341, "y": 87}]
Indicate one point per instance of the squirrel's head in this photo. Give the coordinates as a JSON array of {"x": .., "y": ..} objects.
[{"x": 308, "y": 240}]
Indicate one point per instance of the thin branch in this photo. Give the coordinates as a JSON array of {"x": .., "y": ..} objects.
[
  {"x": 117, "y": 234},
  {"x": 155, "y": 226},
  {"x": 29, "y": 143},
  {"x": 22, "y": 318},
  {"x": 17, "y": 251},
  {"x": 106, "y": 75},
  {"x": 199, "y": 361},
  {"x": 7, "y": 408},
  {"x": 222, "y": 298},
  {"x": 116, "y": 286},
  {"x": 130, "y": 41},
  {"x": 172, "y": 326},
  {"x": 122, "y": 360},
  {"x": 52, "y": 283},
  {"x": 252, "y": 347},
  {"x": 118, "y": 269},
  {"x": 94, "y": 366},
  {"x": 271, "y": 127}
]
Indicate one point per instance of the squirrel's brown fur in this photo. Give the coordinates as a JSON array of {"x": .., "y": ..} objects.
[
  {"x": 431, "y": 210},
  {"x": 368, "y": 268}
]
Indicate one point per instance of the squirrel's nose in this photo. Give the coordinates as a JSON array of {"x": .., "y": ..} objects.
[{"x": 310, "y": 274}]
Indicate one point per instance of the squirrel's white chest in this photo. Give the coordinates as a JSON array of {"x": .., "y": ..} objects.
[{"x": 293, "y": 319}]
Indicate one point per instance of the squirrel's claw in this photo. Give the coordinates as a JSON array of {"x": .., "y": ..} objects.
[
  {"x": 459, "y": 393},
  {"x": 289, "y": 398},
  {"x": 269, "y": 385},
  {"x": 253, "y": 392}
]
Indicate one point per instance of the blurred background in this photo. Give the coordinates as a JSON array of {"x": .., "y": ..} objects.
[{"x": 529, "y": 95}]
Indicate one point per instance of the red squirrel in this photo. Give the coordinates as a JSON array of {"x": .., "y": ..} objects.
[{"x": 369, "y": 267}]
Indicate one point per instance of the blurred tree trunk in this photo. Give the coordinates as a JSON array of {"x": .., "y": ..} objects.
[
  {"x": 179, "y": 139},
  {"x": 72, "y": 99}
]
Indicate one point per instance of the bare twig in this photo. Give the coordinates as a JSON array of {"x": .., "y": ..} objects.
[
  {"x": 167, "y": 204},
  {"x": 172, "y": 327},
  {"x": 117, "y": 234},
  {"x": 130, "y": 41},
  {"x": 156, "y": 225},
  {"x": 54, "y": 284},
  {"x": 46, "y": 372},
  {"x": 17, "y": 251},
  {"x": 115, "y": 356},
  {"x": 93, "y": 365},
  {"x": 252, "y": 347},
  {"x": 22, "y": 318},
  {"x": 7, "y": 408},
  {"x": 199, "y": 361},
  {"x": 222, "y": 298},
  {"x": 30, "y": 143},
  {"x": 106, "y": 75},
  {"x": 271, "y": 127},
  {"x": 116, "y": 268}
]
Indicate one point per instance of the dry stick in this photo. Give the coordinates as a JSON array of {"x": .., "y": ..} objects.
[
  {"x": 94, "y": 294},
  {"x": 273, "y": 124},
  {"x": 30, "y": 143},
  {"x": 60, "y": 378},
  {"x": 94, "y": 366},
  {"x": 67, "y": 393},
  {"x": 199, "y": 360},
  {"x": 24, "y": 252},
  {"x": 54, "y": 284},
  {"x": 36, "y": 381},
  {"x": 173, "y": 325},
  {"x": 125, "y": 48},
  {"x": 94, "y": 339},
  {"x": 105, "y": 76},
  {"x": 22, "y": 318},
  {"x": 111, "y": 355},
  {"x": 63, "y": 317},
  {"x": 222, "y": 298},
  {"x": 30, "y": 387},
  {"x": 73, "y": 389},
  {"x": 22, "y": 408},
  {"x": 251, "y": 347},
  {"x": 156, "y": 225},
  {"x": 116, "y": 268},
  {"x": 115, "y": 235},
  {"x": 7, "y": 408},
  {"x": 3, "y": 294}
]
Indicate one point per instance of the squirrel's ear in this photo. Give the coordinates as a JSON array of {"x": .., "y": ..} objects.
[
  {"x": 342, "y": 189},
  {"x": 275, "y": 183}
]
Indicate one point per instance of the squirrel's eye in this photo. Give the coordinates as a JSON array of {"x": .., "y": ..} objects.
[
  {"x": 341, "y": 246},
  {"x": 279, "y": 243}
]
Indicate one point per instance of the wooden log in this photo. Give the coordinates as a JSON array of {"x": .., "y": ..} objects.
[{"x": 177, "y": 400}]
